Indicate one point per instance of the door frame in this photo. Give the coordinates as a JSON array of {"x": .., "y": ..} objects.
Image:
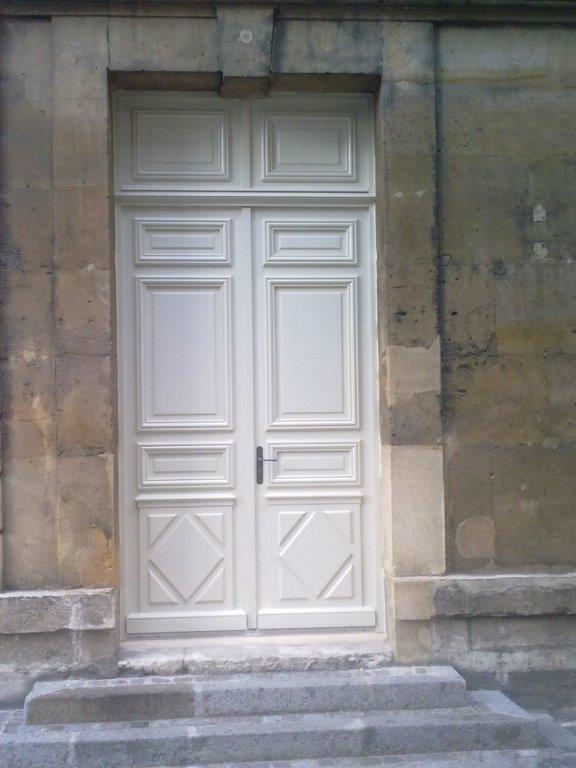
[{"x": 248, "y": 200}]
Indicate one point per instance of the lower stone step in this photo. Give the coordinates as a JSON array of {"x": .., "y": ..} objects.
[
  {"x": 525, "y": 758},
  {"x": 154, "y": 698},
  {"x": 268, "y": 738}
]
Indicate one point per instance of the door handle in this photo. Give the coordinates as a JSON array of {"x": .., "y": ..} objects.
[{"x": 260, "y": 464}]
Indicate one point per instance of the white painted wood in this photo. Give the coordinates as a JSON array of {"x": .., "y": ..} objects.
[
  {"x": 177, "y": 140},
  {"x": 310, "y": 463},
  {"x": 246, "y": 317},
  {"x": 312, "y": 143},
  {"x": 184, "y": 350},
  {"x": 185, "y": 376}
]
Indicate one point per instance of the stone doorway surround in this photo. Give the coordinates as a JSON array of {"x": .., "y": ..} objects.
[{"x": 244, "y": 51}]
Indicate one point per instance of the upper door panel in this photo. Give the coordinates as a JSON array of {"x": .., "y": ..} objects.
[
  {"x": 298, "y": 146},
  {"x": 187, "y": 143},
  {"x": 169, "y": 141}
]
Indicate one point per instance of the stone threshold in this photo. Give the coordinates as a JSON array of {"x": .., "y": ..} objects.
[
  {"x": 420, "y": 598},
  {"x": 53, "y": 610},
  {"x": 262, "y": 653}
]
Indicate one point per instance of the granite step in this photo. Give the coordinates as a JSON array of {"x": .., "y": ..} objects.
[
  {"x": 155, "y": 698},
  {"x": 310, "y": 736},
  {"x": 525, "y": 758}
]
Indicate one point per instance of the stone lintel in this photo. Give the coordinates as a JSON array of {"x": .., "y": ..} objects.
[
  {"x": 29, "y": 612},
  {"x": 471, "y": 596},
  {"x": 245, "y": 41}
]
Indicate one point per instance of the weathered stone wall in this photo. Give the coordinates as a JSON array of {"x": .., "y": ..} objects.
[
  {"x": 476, "y": 175},
  {"x": 507, "y": 224},
  {"x": 58, "y": 382}
]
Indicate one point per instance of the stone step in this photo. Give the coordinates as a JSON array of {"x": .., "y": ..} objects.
[
  {"x": 525, "y": 758},
  {"x": 155, "y": 698},
  {"x": 309, "y": 736},
  {"x": 289, "y": 653}
]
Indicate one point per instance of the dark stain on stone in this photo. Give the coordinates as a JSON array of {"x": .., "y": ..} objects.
[{"x": 499, "y": 268}]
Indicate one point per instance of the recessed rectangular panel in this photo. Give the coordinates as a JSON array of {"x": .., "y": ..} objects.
[
  {"x": 312, "y": 352},
  {"x": 181, "y": 145},
  {"x": 314, "y": 463},
  {"x": 184, "y": 350},
  {"x": 310, "y": 242},
  {"x": 185, "y": 466},
  {"x": 182, "y": 241},
  {"x": 315, "y": 146}
]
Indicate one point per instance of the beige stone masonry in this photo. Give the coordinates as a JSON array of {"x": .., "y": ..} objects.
[
  {"x": 421, "y": 599},
  {"x": 55, "y": 610},
  {"x": 85, "y": 387}
]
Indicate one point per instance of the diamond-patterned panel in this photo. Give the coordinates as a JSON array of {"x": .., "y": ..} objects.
[
  {"x": 187, "y": 555},
  {"x": 316, "y": 550}
]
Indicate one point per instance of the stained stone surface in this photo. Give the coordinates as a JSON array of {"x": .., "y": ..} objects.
[{"x": 477, "y": 324}]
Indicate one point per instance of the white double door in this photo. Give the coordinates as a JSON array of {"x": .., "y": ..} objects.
[{"x": 247, "y": 328}]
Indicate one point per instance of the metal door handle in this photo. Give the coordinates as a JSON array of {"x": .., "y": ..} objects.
[{"x": 260, "y": 464}]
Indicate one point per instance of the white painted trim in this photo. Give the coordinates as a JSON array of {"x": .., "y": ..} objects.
[
  {"x": 316, "y": 618},
  {"x": 224, "y": 621},
  {"x": 261, "y": 199}
]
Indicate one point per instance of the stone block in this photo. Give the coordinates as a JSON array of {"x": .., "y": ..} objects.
[
  {"x": 314, "y": 46},
  {"x": 410, "y": 126},
  {"x": 517, "y": 123},
  {"x": 460, "y": 126},
  {"x": 559, "y": 307},
  {"x": 26, "y": 145},
  {"x": 530, "y": 595},
  {"x": 29, "y": 438},
  {"x": 85, "y": 510},
  {"x": 177, "y": 45},
  {"x": 29, "y": 385},
  {"x": 27, "y": 220},
  {"x": 408, "y": 51},
  {"x": 407, "y": 183},
  {"x": 25, "y": 50},
  {"x": 83, "y": 312},
  {"x": 245, "y": 41},
  {"x": 81, "y": 227},
  {"x": 417, "y": 510},
  {"x": 552, "y": 187},
  {"x": 498, "y": 401},
  {"x": 85, "y": 389},
  {"x": 48, "y": 651},
  {"x": 475, "y": 539},
  {"x": 484, "y": 213},
  {"x": 47, "y": 611},
  {"x": 411, "y": 306},
  {"x": 469, "y": 488},
  {"x": 450, "y": 638},
  {"x": 536, "y": 632},
  {"x": 97, "y": 647},
  {"x": 468, "y": 54},
  {"x": 416, "y": 421},
  {"x": 469, "y": 309},
  {"x": 81, "y": 134},
  {"x": 80, "y": 57},
  {"x": 413, "y": 371},
  {"x": 560, "y": 377},
  {"x": 27, "y": 314},
  {"x": 413, "y": 642},
  {"x": 412, "y": 599},
  {"x": 30, "y": 547},
  {"x": 533, "y": 506},
  {"x": 520, "y": 327}
]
